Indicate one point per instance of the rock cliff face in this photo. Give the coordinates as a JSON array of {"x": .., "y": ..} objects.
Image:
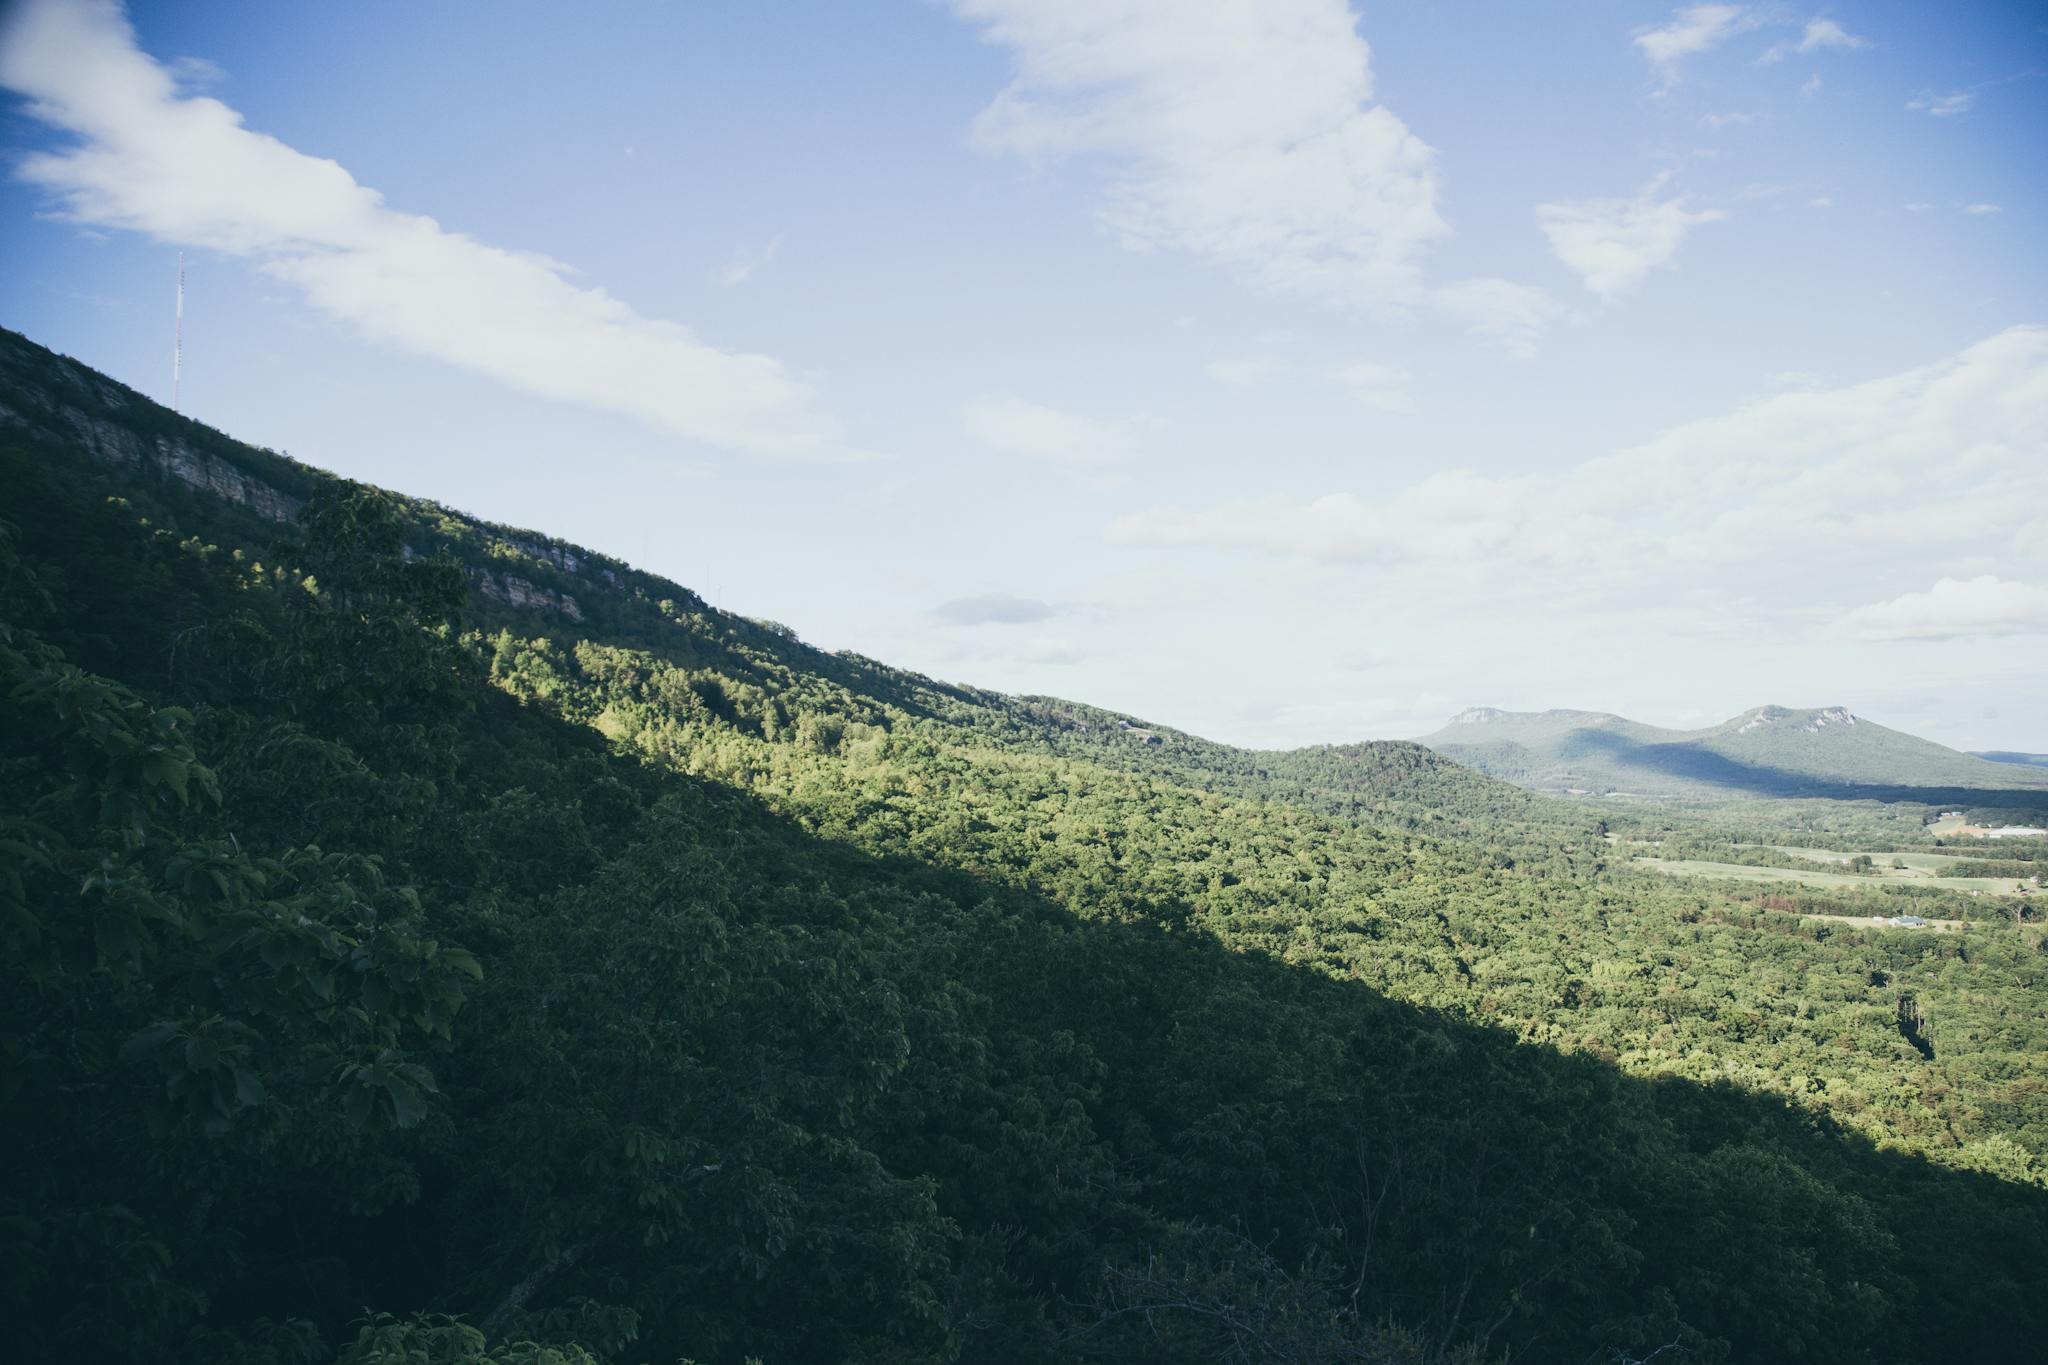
[
  {"x": 179, "y": 460},
  {"x": 58, "y": 400},
  {"x": 564, "y": 557},
  {"x": 518, "y": 592},
  {"x": 72, "y": 401}
]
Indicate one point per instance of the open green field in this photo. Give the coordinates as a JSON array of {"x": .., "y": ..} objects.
[
  {"x": 1917, "y": 864},
  {"x": 1742, "y": 872}
]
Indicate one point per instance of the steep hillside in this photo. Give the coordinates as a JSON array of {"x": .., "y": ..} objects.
[
  {"x": 1770, "y": 751},
  {"x": 431, "y": 941}
]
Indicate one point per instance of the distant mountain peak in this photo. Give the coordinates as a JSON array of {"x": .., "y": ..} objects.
[
  {"x": 1765, "y": 750},
  {"x": 1811, "y": 721}
]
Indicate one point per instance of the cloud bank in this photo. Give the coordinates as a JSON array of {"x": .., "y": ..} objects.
[
  {"x": 1784, "y": 497},
  {"x": 1955, "y": 609},
  {"x": 153, "y": 157}
]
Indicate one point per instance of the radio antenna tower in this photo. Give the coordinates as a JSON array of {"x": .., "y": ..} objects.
[{"x": 178, "y": 344}]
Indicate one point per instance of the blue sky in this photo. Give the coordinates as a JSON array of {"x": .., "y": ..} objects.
[{"x": 1288, "y": 372}]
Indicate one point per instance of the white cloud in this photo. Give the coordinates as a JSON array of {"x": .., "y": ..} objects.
[
  {"x": 746, "y": 260},
  {"x": 1692, "y": 30},
  {"x": 1614, "y": 243},
  {"x": 1955, "y": 609},
  {"x": 1714, "y": 123},
  {"x": 1777, "y": 497},
  {"x": 155, "y": 158},
  {"x": 1811, "y": 87},
  {"x": 1822, "y": 33},
  {"x": 1819, "y": 34},
  {"x": 1016, "y": 426},
  {"x": 1702, "y": 28},
  {"x": 995, "y": 608},
  {"x": 1244, "y": 134},
  {"x": 1982, "y": 209},
  {"x": 1243, "y": 372},
  {"x": 1376, "y": 385},
  {"x": 1943, "y": 106}
]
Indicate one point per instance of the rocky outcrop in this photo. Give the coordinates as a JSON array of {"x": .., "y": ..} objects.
[
  {"x": 1816, "y": 721},
  {"x": 60, "y": 399},
  {"x": 515, "y": 591},
  {"x": 559, "y": 556},
  {"x": 175, "y": 457},
  {"x": 217, "y": 476},
  {"x": 563, "y": 557}
]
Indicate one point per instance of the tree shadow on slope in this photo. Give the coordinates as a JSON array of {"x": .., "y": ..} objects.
[
  {"x": 771, "y": 1095},
  {"x": 1136, "y": 1133},
  {"x": 1485, "y": 1190}
]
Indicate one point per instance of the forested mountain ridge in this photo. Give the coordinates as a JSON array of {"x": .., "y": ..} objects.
[
  {"x": 757, "y": 674},
  {"x": 1768, "y": 750},
  {"x": 638, "y": 982}
]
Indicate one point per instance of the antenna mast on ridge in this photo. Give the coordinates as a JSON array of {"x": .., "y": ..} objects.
[{"x": 178, "y": 344}]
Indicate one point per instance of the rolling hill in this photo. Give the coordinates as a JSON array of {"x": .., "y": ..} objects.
[{"x": 1768, "y": 751}]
